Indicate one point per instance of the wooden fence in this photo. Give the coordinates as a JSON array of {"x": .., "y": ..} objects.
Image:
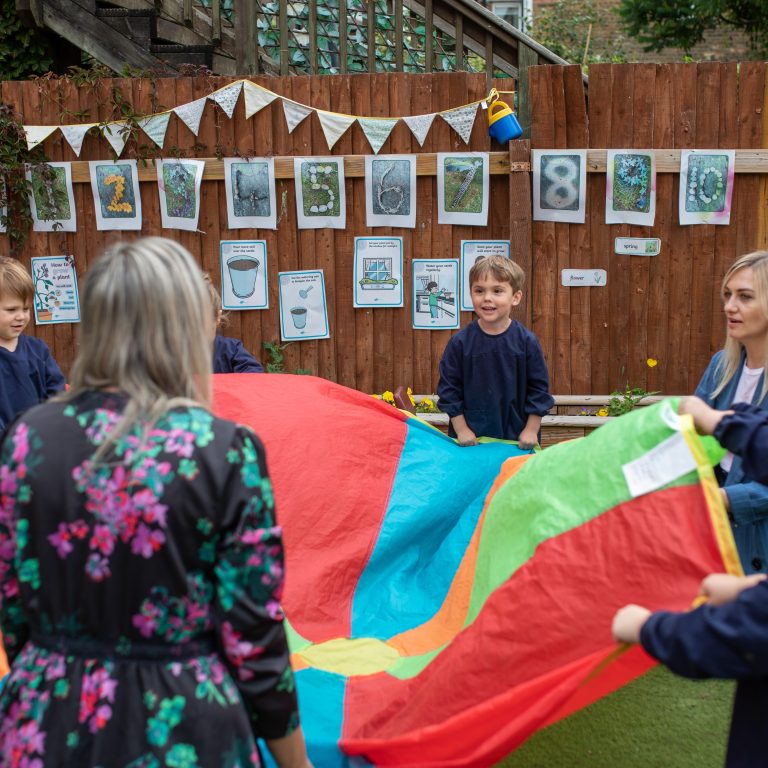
[
  {"x": 368, "y": 349},
  {"x": 665, "y": 307}
]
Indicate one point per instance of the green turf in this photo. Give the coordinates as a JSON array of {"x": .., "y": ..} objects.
[{"x": 657, "y": 721}]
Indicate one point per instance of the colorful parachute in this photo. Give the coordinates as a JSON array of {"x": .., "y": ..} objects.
[{"x": 444, "y": 603}]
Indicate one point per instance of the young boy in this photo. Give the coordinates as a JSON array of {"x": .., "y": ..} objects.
[
  {"x": 493, "y": 378},
  {"x": 28, "y": 372}
]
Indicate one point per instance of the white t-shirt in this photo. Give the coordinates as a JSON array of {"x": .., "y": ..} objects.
[{"x": 745, "y": 391}]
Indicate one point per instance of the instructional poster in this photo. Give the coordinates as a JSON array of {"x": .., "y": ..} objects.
[
  {"x": 559, "y": 185},
  {"x": 51, "y": 199},
  {"x": 178, "y": 183},
  {"x": 116, "y": 197},
  {"x": 303, "y": 306},
  {"x": 471, "y": 252},
  {"x": 56, "y": 297},
  {"x": 435, "y": 289},
  {"x": 250, "y": 186},
  {"x": 244, "y": 274},
  {"x": 390, "y": 190},
  {"x": 462, "y": 188},
  {"x": 378, "y": 277}
]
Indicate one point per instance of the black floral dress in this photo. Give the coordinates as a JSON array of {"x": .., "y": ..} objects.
[{"x": 139, "y": 594}]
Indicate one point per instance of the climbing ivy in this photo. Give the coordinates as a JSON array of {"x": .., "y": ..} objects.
[{"x": 24, "y": 51}]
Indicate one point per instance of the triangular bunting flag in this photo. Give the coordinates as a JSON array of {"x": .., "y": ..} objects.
[
  {"x": 74, "y": 134},
  {"x": 334, "y": 125},
  {"x": 37, "y": 133},
  {"x": 116, "y": 134},
  {"x": 420, "y": 125},
  {"x": 227, "y": 97},
  {"x": 377, "y": 131},
  {"x": 294, "y": 113},
  {"x": 461, "y": 120},
  {"x": 256, "y": 98},
  {"x": 155, "y": 127},
  {"x": 191, "y": 114}
]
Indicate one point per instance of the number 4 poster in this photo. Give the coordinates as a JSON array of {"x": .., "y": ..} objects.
[
  {"x": 116, "y": 196},
  {"x": 559, "y": 185}
]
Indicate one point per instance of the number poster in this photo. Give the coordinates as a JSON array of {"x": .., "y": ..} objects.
[
  {"x": 250, "y": 186},
  {"x": 116, "y": 196},
  {"x": 559, "y": 185},
  {"x": 320, "y": 194},
  {"x": 51, "y": 199},
  {"x": 706, "y": 185},
  {"x": 178, "y": 183},
  {"x": 462, "y": 188},
  {"x": 630, "y": 187},
  {"x": 390, "y": 191}
]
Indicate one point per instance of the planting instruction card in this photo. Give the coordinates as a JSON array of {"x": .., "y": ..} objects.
[
  {"x": 320, "y": 196},
  {"x": 250, "y": 189},
  {"x": 390, "y": 191},
  {"x": 178, "y": 183},
  {"x": 559, "y": 185},
  {"x": 116, "y": 196},
  {"x": 435, "y": 293},
  {"x": 378, "y": 277},
  {"x": 51, "y": 199},
  {"x": 56, "y": 297},
  {"x": 472, "y": 251},
  {"x": 462, "y": 188},
  {"x": 630, "y": 187},
  {"x": 706, "y": 185},
  {"x": 303, "y": 307},
  {"x": 244, "y": 274}
]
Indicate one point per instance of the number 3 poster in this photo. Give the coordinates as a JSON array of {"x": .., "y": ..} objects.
[{"x": 560, "y": 185}]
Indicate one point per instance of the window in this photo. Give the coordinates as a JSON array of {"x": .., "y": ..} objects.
[
  {"x": 377, "y": 269},
  {"x": 514, "y": 12}
]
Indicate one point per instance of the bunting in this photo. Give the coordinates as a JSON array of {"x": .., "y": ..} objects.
[
  {"x": 116, "y": 134},
  {"x": 461, "y": 120},
  {"x": 420, "y": 125},
  {"x": 294, "y": 113},
  {"x": 37, "y": 133},
  {"x": 155, "y": 127},
  {"x": 334, "y": 125},
  {"x": 191, "y": 114},
  {"x": 377, "y": 130},
  {"x": 256, "y": 98},
  {"x": 74, "y": 134},
  {"x": 227, "y": 97}
]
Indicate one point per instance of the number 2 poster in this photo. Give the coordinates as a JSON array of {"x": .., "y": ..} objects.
[{"x": 116, "y": 196}]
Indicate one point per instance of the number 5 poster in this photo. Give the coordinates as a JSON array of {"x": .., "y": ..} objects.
[
  {"x": 116, "y": 197},
  {"x": 559, "y": 185}
]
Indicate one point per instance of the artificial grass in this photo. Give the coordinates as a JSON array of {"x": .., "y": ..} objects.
[{"x": 658, "y": 721}]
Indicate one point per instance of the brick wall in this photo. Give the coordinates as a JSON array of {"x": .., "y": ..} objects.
[{"x": 722, "y": 44}]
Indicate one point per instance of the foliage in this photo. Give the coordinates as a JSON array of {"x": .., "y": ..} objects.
[
  {"x": 24, "y": 50},
  {"x": 623, "y": 401},
  {"x": 566, "y": 28},
  {"x": 276, "y": 362},
  {"x": 660, "y": 24}
]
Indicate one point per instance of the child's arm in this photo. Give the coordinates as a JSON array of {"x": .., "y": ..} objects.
[
  {"x": 464, "y": 434},
  {"x": 529, "y": 437}
]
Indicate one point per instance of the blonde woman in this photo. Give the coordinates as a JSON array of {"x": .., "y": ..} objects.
[
  {"x": 736, "y": 374},
  {"x": 140, "y": 561}
]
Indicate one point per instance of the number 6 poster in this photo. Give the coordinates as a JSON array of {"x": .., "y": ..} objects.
[
  {"x": 116, "y": 196},
  {"x": 559, "y": 185}
]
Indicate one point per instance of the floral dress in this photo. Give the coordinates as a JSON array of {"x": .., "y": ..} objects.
[{"x": 139, "y": 592}]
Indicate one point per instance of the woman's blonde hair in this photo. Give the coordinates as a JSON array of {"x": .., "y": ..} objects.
[
  {"x": 146, "y": 315},
  {"x": 730, "y": 360}
]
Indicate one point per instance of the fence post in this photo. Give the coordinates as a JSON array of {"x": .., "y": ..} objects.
[
  {"x": 526, "y": 58},
  {"x": 246, "y": 41},
  {"x": 520, "y": 216}
]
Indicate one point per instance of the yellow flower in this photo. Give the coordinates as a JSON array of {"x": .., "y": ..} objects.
[
  {"x": 409, "y": 392},
  {"x": 388, "y": 397},
  {"x": 651, "y": 363},
  {"x": 602, "y": 412}
]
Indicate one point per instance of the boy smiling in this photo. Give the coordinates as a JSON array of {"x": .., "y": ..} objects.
[{"x": 493, "y": 378}]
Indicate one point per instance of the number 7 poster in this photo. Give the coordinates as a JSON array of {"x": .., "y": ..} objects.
[{"x": 116, "y": 196}]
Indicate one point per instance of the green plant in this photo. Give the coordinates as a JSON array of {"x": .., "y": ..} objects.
[
  {"x": 276, "y": 362},
  {"x": 623, "y": 401},
  {"x": 24, "y": 50}
]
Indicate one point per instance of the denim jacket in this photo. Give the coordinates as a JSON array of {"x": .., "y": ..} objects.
[{"x": 748, "y": 499}]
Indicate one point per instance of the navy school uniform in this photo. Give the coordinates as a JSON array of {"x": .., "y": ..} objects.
[
  {"x": 745, "y": 433},
  {"x": 28, "y": 375},
  {"x": 495, "y": 381},
  {"x": 230, "y": 356}
]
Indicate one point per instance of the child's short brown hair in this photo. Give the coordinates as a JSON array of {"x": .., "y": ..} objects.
[
  {"x": 219, "y": 316},
  {"x": 15, "y": 280},
  {"x": 503, "y": 269}
]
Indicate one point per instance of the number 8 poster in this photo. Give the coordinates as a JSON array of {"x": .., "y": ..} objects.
[
  {"x": 116, "y": 196},
  {"x": 559, "y": 185}
]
